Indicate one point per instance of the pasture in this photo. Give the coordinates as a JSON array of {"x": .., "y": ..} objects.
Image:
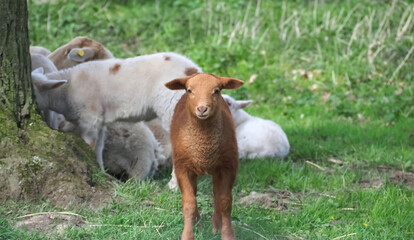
[{"x": 337, "y": 76}]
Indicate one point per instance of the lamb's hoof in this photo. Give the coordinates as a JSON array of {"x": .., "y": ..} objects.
[{"x": 172, "y": 184}]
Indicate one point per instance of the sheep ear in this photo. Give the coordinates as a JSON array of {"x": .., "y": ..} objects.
[
  {"x": 81, "y": 54},
  {"x": 44, "y": 84},
  {"x": 39, "y": 70},
  {"x": 230, "y": 83},
  {"x": 243, "y": 104},
  {"x": 178, "y": 83}
]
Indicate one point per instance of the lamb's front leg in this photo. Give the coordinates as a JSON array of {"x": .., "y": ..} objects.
[{"x": 187, "y": 181}]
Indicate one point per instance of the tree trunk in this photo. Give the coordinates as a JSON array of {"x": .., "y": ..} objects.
[{"x": 16, "y": 94}]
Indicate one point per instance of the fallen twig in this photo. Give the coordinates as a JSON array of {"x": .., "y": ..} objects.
[
  {"x": 45, "y": 213},
  {"x": 343, "y": 236},
  {"x": 126, "y": 226},
  {"x": 254, "y": 232},
  {"x": 315, "y": 165}
]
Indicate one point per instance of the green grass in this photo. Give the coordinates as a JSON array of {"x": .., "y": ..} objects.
[{"x": 336, "y": 75}]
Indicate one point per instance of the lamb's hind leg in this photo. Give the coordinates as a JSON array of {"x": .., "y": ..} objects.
[{"x": 222, "y": 186}]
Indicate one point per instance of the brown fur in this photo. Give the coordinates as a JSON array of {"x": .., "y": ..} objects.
[
  {"x": 114, "y": 69},
  {"x": 59, "y": 56},
  {"x": 204, "y": 142},
  {"x": 190, "y": 71},
  {"x": 167, "y": 58}
]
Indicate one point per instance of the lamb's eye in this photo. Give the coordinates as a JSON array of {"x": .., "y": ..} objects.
[
  {"x": 189, "y": 91},
  {"x": 67, "y": 51},
  {"x": 216, "y": 91}
]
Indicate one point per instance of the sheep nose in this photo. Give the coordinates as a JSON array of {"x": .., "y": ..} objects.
[{"x": 202, "y": 109}]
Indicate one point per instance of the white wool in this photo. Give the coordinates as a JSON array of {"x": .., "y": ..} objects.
[
  {"x": 131, "y": 149},
  {"x": 256, "y": 137}
]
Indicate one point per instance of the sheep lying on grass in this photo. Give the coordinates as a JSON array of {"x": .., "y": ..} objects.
[
  {"x": 256, "y": 137},
  {"x": 96, "y": 93},
  {"x": 204, "y": 142},
  {"x": 78, "y": 50},
  {"x": 131, "y": 151}
]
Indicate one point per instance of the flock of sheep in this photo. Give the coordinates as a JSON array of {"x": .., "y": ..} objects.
[{"x": 125, "y": 109}]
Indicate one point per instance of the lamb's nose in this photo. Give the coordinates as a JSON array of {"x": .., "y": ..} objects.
[{"x": 202, "y": 109}]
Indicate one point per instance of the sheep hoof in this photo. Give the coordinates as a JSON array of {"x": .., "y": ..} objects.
[{"x": 172, "y": 184}]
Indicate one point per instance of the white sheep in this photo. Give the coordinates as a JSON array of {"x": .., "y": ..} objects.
[
  {"x": 78, "y": 50},
  {"x": 96, "y": 93},
  {"x": 131, "y": 151},
  {"x": 256, "y": 137},
  {"x": 124, "y": 155}
]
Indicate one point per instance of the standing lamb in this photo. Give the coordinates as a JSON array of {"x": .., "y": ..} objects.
[
  {"x": 204, "y": 142},
  {"x": 78, "y": 50},
  {"x": 256, "y": 137},
  {"x": 96, "y": 93}
]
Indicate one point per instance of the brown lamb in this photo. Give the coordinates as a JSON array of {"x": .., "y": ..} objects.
[{"x": 204, "y": 142}]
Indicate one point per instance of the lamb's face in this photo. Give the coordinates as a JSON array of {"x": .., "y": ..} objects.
[
  {"x": 204, "y": 92},
  {"x": 203, "y": 96}
]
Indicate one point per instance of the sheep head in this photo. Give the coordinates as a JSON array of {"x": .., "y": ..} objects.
[
  {"x": 78, "y": 50},
  {"x": 235, "y": 105},
  {"x": 203, "y": 92},
  {"x": 41, "y": 86}
]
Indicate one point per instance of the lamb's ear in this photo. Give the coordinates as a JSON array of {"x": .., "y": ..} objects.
[
  {"x": 230, "y": 83},
  {"x": 243, "y": 103},
  {"x": 81, "y": 54},
  {"x": 44, "y": 84},
  {"x": 39, "y": 70},
  {"x": 178, "y": 83}
]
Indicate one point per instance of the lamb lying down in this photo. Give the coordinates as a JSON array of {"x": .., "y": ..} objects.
[
  {"x": 131, "y": 149},
  {"x": 256, "y": 137}
]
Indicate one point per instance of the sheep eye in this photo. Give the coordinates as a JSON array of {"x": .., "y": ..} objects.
[
  {"x": 217, "y": 91},
  {"x": 189, "y": 91},
  {"x": 67, "y": 51}
]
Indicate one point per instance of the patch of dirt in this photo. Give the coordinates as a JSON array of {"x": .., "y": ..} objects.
[
  {"x": 50, "y": 223},
  {"x": 405, "y": 178},
  {"x": 277, "y": 199},
  {"x": 371, "y": 183}
]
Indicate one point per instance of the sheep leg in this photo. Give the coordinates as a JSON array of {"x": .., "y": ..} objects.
[
  {"x": 222, "y": 186},
  {"x": 172, "y": 184},
  {"x": 187, "y": 181},
  {"x": 99, "y": 147}
]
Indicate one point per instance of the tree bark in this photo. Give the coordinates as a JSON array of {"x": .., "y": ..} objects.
[{"x": 16, "y": 93}]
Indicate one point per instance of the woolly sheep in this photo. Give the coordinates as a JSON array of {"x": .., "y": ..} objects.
[
  {"x": 96, "y": 93},
  {"x": 78, "y": 50},
  {"x": 256, "y": 137},
  {"x": 131, "y": 151},
  {"x": 204, "y": 142}
]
